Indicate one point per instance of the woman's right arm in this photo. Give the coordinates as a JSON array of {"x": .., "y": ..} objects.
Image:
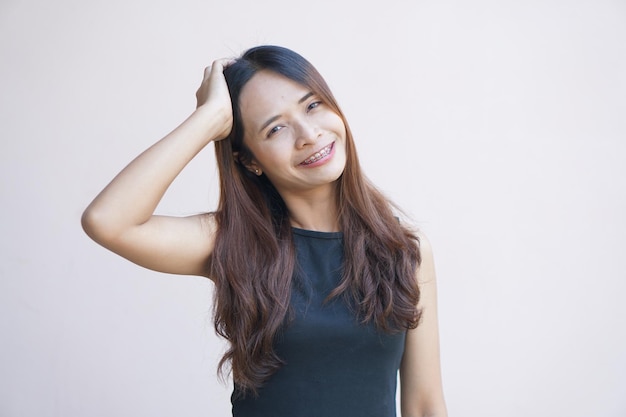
[{"x": 121, "y": 217}]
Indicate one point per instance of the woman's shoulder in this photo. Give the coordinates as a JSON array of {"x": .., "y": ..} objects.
[{"x": 415, "y": 230}]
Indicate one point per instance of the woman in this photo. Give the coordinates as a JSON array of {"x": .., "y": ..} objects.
[{"x": 322, "y": 293}]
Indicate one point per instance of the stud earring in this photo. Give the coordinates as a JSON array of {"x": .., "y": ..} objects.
[{"x": 256, "y": 171}]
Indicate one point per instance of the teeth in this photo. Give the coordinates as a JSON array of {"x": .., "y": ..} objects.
[{"x": 318, "y": 155}]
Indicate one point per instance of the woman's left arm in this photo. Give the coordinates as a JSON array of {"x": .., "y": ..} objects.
[{"x": 421, "y": 390}]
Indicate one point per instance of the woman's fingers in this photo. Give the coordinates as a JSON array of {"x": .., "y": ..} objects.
[
  {"x": 220, "y": 65},
  {"x": 214, "y": 90},
  {"x": 213, "y": 81}
]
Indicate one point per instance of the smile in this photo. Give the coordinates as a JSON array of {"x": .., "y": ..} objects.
[{"x": 325, "y": 151}]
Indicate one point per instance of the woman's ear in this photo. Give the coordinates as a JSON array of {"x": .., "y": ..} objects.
[{"x": 250, "y": 165}]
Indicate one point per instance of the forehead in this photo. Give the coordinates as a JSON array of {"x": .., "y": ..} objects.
[{"x": 267, "y": 94}]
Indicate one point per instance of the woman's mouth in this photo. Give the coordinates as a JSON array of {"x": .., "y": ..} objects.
[{"x": 319, "y": 155}]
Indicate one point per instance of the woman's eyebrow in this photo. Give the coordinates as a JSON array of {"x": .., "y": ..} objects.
[
  {"x": 274, "y": 118},
  {"x": 269, "y": 122},
  {"x": 307, "y": 95}
]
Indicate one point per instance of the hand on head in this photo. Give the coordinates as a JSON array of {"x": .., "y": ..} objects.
[{"x": 213, "y": 92}]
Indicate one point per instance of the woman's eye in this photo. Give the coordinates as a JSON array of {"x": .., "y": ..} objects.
[
  {"x": 273, "y": 130},
  {"x": 313, "y": 105}
]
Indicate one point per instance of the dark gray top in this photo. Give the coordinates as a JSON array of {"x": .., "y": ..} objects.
[{"x": 335, "y": 367}]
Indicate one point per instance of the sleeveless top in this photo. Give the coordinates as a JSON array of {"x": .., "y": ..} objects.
[{"x": 334, "y": 366}]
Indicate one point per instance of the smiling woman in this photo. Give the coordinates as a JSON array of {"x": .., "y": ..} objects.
[
  {"x": 297, "y": 140},
  {"x": 322, "y": 294}
]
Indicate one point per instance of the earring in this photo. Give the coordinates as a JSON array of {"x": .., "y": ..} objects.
[{"x": 256, "y": 171}]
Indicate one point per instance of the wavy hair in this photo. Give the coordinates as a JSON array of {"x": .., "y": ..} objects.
[{"x": 254, "y": 260}]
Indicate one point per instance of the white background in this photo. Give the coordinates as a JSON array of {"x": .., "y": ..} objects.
[{"x": 500, "y": 126}]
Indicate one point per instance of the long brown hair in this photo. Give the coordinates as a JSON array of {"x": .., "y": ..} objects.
[{"x": 253, "y": 260}]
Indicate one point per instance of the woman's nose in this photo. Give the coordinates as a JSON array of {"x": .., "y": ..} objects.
[{"x": 307, "y": 133}]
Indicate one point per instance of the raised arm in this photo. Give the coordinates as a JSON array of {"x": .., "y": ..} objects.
[
  {"x": 121, "y": 217},
  {"x": 421, "y": 392}
]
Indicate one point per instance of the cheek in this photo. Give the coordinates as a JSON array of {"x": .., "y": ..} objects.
[
  {"x": 339, "y": 125},
  {"x": 271, "y": 155}
]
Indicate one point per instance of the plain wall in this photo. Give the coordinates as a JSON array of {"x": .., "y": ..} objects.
[{"x": 499, "y": 126}]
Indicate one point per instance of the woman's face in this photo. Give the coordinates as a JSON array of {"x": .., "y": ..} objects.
[{"x": 295, "y": 138}]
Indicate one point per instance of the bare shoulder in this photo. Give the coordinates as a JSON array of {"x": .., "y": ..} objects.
[
  {"x": 425, "y": 247},
  {"x": 424, "y": 241},
  {"x": 426, "y": 270}
]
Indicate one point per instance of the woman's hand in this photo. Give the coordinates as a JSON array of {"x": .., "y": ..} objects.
[{"x": 213, "y": 93}]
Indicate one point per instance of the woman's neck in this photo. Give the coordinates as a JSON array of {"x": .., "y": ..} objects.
[{"x": 316, "y": 210}]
